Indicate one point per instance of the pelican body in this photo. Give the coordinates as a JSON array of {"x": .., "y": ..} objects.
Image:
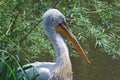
[{"x": 55, "y": 24}]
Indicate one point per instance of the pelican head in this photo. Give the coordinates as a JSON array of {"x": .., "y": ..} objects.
[
  {"x": 54, "y": 22},
  {"x": 52, "y": 18}
]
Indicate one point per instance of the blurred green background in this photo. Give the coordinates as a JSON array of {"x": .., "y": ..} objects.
[{"x": 95, "y": 23}]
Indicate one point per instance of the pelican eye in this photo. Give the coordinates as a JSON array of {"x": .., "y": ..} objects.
[{"x": 60, "y": 24}]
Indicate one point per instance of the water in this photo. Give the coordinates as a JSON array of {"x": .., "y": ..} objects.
[{"x": 103, "y": 67}]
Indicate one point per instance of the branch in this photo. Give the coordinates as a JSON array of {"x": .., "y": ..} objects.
[
  {"x": 9, "y": 30},
  {"x": 56, "y": 4},
  {"x": 22, "y": 39}
]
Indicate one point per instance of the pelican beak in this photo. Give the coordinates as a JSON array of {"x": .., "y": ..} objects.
[{"x": 64, "y": 30}]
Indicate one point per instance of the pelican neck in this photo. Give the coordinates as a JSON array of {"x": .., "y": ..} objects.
[{"x": 60, "y": 47}]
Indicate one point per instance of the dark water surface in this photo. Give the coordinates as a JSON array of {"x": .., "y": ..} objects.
[{"x": 103, "y": 67}]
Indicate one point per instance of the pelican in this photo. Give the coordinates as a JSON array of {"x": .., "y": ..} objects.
[{"x": 55, "y": 24}]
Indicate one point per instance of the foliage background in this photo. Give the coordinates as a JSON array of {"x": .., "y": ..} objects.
[{"x": 22, "y": 35}]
